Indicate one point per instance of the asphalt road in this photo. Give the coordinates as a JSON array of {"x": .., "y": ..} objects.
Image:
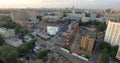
[{"x": 69, "y": 56}]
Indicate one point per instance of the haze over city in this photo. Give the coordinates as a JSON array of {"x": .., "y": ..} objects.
[
  {"x": 59, "y": 31},
  {"x": 59, "y": 3}
]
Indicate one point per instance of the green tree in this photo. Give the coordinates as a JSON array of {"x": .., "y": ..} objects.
[
  {"x": 104, "y": 58},
  {"x": 39, "y": 17},
  {"x": 26, "y": 47},
  {"x": 114, "y": 50},
  {"x": 64, "y": 15},
  {"x": 8, "y": 54},
  {"x": 87, "y": 14},
  {"x": 42, "y": 54},
  {"x": 1, "y": 40},
  {"x": 101, "y": 27},
  {"x": 98, "y": 16}
]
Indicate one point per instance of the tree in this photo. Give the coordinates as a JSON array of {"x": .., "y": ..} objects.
[
  {"x": 39, "y": 17},
  {"x": 42, "y": 54},
  {"x": 114, "y": 50},
  {"x": 26, "y": 47},
  {"x": 104, "y": 58},
  {"x": 1, "y": 40},
  {"x": 101, "y": 27},
  {"x": 64, "y": 15},
  {"x": 98, "y": 16},
  {"x": 87, "y": 14},
  {"x": 108, "y": 51},
  {"x": 8, "y": 54}
]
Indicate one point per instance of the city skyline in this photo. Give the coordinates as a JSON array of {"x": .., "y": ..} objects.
[{"x": 59, "y": 4}]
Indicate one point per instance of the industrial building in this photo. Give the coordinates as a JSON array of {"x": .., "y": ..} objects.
[{"x": 54, "y": 27}]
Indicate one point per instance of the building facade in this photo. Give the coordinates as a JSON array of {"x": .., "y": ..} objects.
[
  {"x": 13, "y": 41},
  {"x": 87, "y": 43},
  {"x": 112, "y": 34}
]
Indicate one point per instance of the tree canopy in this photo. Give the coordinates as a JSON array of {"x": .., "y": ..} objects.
[
  {"x": 1, "y": 40},
  {"x": 26, "y": 47},
  {"x": 108, "y": 51},
  {"x": 98, "y": 25},
  {"x": 42, "y": 54},
  {"x": 8, "y": 54},
  {"x": 39, "y": 17}
]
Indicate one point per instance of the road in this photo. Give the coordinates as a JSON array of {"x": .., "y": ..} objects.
[
  {"x": 96, "y": 52},
  {"x": 69, "y": 56},
  {"x": 73, "y": 46}
]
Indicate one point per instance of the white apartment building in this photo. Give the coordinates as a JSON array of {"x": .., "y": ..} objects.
[{"x": 112, "y": 34}]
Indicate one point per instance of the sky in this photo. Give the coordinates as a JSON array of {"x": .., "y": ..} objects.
[{"x": 59, "y": 3}]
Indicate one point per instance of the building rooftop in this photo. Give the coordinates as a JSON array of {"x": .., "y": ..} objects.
[
  {"x": 15, "y": 39},
  {"x": 44, "y": 35},
  {"x": 3, "y": 30},
  {"x": 87, "y": 32}
]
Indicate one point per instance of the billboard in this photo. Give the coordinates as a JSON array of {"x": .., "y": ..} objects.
[{"x": 52, "y": 30}]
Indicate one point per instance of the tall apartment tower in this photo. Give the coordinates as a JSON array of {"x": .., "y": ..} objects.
[
  {"x": 73, "y": 10},
  {"x": 112, "y": 34}
]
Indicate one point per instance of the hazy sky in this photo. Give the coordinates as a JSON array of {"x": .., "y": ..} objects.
[{"x": 59, "y": 3}]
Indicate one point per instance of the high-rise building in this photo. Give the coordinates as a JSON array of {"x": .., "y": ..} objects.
[
  {"x": 112, "y": 34},
  {"x": 73, "y": 11}
]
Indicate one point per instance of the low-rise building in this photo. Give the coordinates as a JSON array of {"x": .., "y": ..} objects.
[
  {"x": 14, "y": 41},
  {"x": 7, "y": 32},
  {"x": 87, "y": 19},
  {"x": 74, "y": 15},
  {"x": 50, "y": 19}
]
